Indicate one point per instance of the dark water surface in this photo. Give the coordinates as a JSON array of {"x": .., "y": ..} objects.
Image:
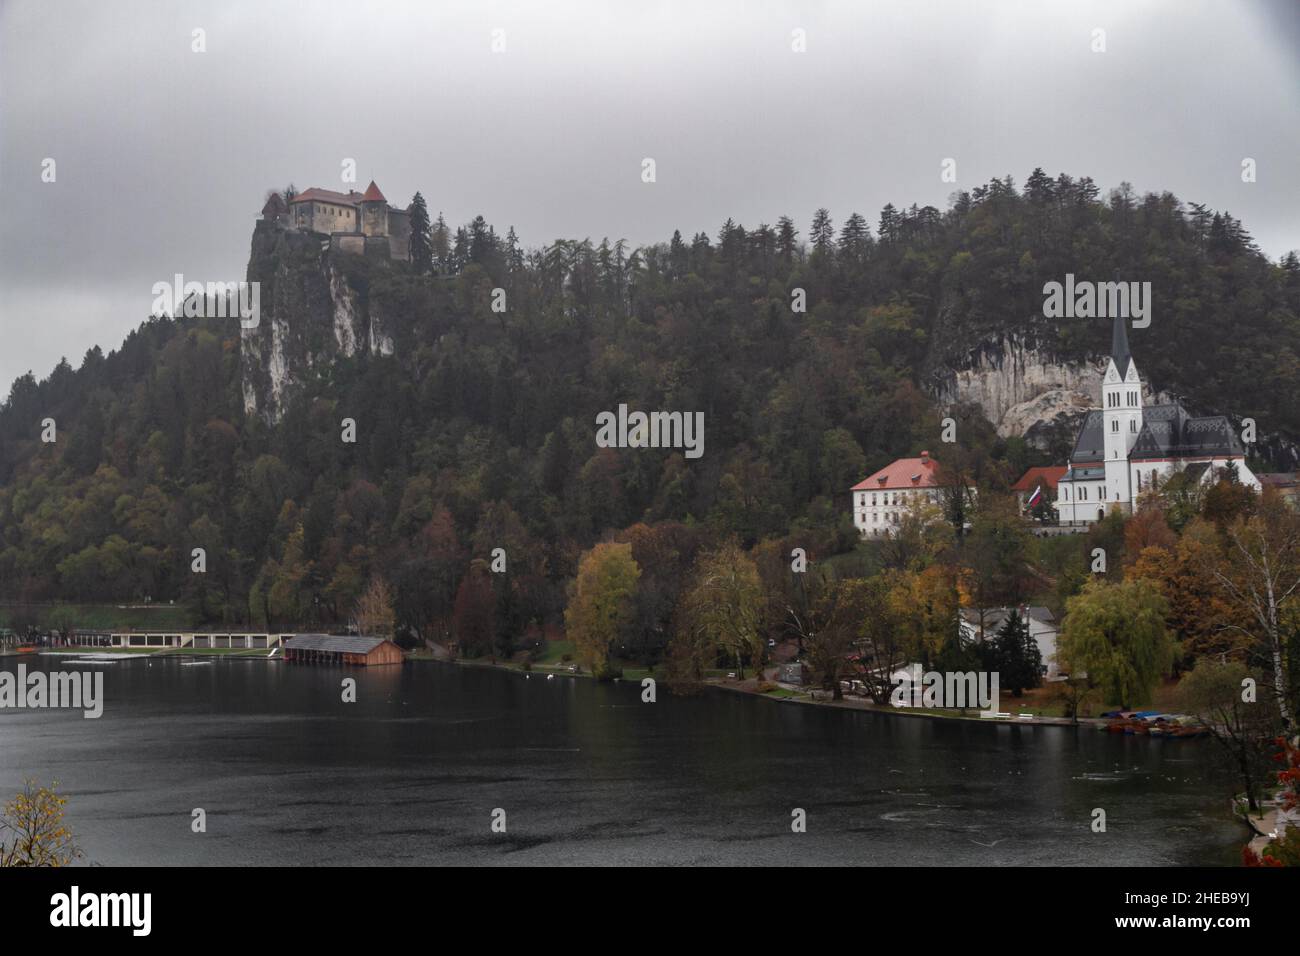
[{"x": 411, "y": 772}]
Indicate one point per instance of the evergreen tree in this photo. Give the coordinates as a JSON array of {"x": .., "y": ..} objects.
[
  {"x": 440, "y": 246},
  {"x": 1015, "y": 656},
  {"x": 421, "y": 236},
  {"x": 786, "y": 240},
  {"x": 822, "y": 232}
]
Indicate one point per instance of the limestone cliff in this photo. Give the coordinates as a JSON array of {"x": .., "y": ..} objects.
[
  {"x": 314, "y": 308},
  {"x": 1022, "y": 391}
]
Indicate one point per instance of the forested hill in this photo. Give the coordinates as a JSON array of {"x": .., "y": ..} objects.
[{"x": 477, "y": 431}]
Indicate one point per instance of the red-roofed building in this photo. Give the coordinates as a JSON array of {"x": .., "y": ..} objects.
[
  {"x": 1038, "y": 484},
  {"x": 354, "y": 221},
  {"x": 880, "y": 500}
]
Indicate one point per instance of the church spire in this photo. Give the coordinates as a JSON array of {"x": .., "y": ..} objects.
[{"x": 1119, "y": 345}]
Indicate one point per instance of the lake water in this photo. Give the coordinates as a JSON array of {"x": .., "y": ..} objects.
[{"x": 586, "y": 773}]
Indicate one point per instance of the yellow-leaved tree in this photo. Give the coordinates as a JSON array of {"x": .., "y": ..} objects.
[
  {"x": 32, "y": 830},
  {"x": 725, "y": 606},
  {"x": 601, "y": 603}
]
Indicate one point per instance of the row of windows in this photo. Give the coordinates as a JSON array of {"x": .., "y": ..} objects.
[
  {"x": 1132, "y": 425},
  {"x": 896, "y": 497},
  {"x": 1130, "y": 400},
  {"x": 1083, "y": 493},
  {"x": 1149, "y": 482},
  {"x": 891, "y": 517}
]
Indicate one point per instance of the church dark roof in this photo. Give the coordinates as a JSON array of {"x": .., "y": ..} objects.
[
  {"x": 1119, "y": 345},
  {"x": 1091, "y": 443},
  {"x": 1169, "y": 432}
]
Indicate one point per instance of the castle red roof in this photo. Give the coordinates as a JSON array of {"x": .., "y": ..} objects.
[
  {"x": 328, "y": 195},
  {"x": 903, "y": 473},
  {"x": 1046, "y": 475},
  {"x": 373, "y": 194}
]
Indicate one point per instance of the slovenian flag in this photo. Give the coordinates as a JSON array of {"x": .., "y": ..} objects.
[{"x": 1033, "y": 499}]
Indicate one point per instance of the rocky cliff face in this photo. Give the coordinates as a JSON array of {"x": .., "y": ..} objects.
[
  {"x": 1022, "y": 390},
  {"x": 1025, "y": 391},
  {"x": 314, "y": 308}
]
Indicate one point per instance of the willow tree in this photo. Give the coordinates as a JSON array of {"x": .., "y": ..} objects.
[
  {"x": 1117, "y": 634},
  {"x": 725, "y": 604},
  {"x": 601, "y": 605}
]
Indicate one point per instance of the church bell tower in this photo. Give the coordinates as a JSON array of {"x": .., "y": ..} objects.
[{"x": 1121, "y": 398}]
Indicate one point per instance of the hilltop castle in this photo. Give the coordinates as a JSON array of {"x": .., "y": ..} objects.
[
  {"x": 1125, "y": 449},
  {"x": 357, "y": 223}
]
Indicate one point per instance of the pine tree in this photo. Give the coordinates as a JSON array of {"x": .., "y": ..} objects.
[
  {"x": 421, "y": 236},
  {"x": 822, "y": 231},
  {"x": 1015, "y": 656},
  {"x": 889, "y": 221},
  {"x": 786, "y": 239},
  {"x": 679, "y": 260},
  {"x": 440, "y": 246},
  {"x": 514, "y": 254},
  {"x": 854, "y": 237}
]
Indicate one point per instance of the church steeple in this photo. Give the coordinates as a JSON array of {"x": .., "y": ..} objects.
[{"x": 1119, "y": 345}]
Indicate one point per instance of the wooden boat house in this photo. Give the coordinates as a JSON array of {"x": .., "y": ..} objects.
[{"x": 341, "y": 649}]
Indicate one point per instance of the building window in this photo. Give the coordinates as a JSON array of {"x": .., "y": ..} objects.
[{"x": 1114, "y": 425}]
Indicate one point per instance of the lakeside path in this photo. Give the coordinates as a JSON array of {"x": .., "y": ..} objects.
[
  {"x": 798, "y": 695},
  {"x": 788, "y": 693}
]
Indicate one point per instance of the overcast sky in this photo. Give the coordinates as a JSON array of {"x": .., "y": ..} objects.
[{"x": 163, "y": 155}]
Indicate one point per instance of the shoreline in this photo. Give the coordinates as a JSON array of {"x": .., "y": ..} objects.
[
  {"x": 749, "y": 687},
  {"x": 869, "y": 706}
]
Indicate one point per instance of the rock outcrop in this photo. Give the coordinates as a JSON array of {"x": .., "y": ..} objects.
[
  {"x": 1022, "y": 390},
  {"x": 314, "y": 309}
]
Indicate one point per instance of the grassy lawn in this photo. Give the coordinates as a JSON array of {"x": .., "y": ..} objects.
[
  {"x": 783, "y": 693},
  {"x": 555, "y": 651},
  {"x": 204, "y": 651},
  {"x": 111, "y": 617}
]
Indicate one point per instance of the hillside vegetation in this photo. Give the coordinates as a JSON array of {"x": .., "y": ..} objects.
[{"x": 478, "y": 432}]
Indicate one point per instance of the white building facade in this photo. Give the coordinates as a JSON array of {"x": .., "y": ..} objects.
[
  {"x": 881, "y": 500},
  {"x": 1125, "y": 448}
]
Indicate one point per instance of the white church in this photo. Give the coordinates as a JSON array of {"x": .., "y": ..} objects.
[{"x": 1124, "y": 449}]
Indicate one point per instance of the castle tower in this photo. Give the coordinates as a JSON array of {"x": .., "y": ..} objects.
[
  {"x": 1121, "y": 400},
  {"x": 374, "y": 212}
]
